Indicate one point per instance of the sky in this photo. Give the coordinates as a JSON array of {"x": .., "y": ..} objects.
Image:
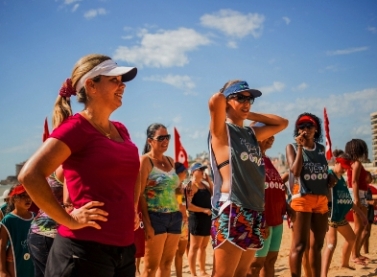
[{"x": 302, "y": 55}]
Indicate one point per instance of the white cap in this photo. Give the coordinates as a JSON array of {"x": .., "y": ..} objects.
[{"x": 108, "y": 68}]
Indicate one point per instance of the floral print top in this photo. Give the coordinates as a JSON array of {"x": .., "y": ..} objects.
[{"x": 160, "y": 191}]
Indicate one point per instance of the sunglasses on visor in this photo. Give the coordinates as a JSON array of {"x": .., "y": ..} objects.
[
  {"x": 242, "y": 98},
  {"x": 162, "y": 138}
]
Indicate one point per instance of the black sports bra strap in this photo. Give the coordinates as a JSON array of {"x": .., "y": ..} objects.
[{"x": 223, "y": 164}]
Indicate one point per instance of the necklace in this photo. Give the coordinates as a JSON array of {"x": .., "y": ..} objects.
[
  {"x": 107, "y": 134},
  {"x": 102, "y": 130},
  {"x": 160, "y": 162}
]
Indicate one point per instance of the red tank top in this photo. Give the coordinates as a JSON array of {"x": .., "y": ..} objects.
[
  {"x": 363, "y": 184},
  {"x": 275, "y": 203}
]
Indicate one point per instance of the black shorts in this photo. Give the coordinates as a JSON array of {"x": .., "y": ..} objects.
[
  {"x": 170, "y": 223},
  {"x": 199, "y": 224},
  {"x": 71, "y": 258}
]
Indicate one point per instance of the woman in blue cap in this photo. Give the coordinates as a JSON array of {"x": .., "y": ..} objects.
[
  {"x": 238, "y": 168},
  {"x": 199, "y": 191}
]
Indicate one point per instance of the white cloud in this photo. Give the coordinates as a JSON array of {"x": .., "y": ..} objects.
[
  {"x": 68, "y": 2},
  {"x": 361, "y": 130},
  {"x": 275, "y": 87},
  {"x": 177, "y": 119},
  {"x": 301, "y": 87},
  {"x": 347, "y": 51},
  {"x": 232, "y": 44},
  {"x": 183, "y": 82},
  {"x": 75, "y": 7},
  {"x": 95, "y": 12},
  {"x": 372, "y": 29},
  {"x": 234, "y": 24},
  {"x": 127, "y": 37},
  {"x": 286, "y": 20},
  {"x": 341, "y": 105},
  {"x": 166, "y": 48}
]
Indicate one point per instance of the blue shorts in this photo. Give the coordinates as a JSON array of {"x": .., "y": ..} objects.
[
  {"x": 272, "y": 243},
  {"x": 170, "y": 223}
]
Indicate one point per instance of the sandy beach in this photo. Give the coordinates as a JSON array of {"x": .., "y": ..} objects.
[{"x": 282, "y": 265}]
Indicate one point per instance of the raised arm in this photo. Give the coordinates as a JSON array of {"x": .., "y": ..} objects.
[
  {"x": 273, "y": 124},
  {"x": 217, "y": 110}
]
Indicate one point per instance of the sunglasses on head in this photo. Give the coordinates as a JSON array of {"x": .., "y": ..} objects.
[
  {"x": 242, "y": 98},
  {"x": 306, "y": 125},
  {"x": 162, "y": 138}
]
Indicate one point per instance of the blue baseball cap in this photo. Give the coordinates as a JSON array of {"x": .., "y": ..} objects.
[
  {"x": 241, "y": 86},
  {"x": 197, "y": 166},
  {"x": 179, "y": 167}
]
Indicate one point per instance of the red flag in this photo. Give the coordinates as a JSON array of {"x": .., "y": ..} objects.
[
  {"x": 327, "y": 133},
  {"x": 46, "y": 132},
  {"x": 180, "y": 152}
]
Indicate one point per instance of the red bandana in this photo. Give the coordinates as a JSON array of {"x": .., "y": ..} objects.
[
  {"x": 17, "y": 190},
  {"x": 346, "y": 164}
]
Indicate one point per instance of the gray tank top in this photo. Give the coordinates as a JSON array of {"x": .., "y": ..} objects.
[
  {"x": 246, "y": 168},
  {"x": 314, "y": 172}
]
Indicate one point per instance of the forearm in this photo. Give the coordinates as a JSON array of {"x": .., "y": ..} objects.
[
  {"x": 194, "y": 208},
  {"x": 144, "y": 211},
  {"x": 137, "y": 193},
  {"x": 268, "y": 119},
  {"x": 41, "y": 194}
]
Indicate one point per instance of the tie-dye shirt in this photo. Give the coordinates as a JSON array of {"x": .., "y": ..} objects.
[{"x": 160, "y": 191}]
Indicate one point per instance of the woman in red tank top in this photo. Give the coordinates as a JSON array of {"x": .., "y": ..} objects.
[{"x": 357, "y": 180}]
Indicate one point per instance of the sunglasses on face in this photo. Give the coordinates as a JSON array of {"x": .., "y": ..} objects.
[
  {"x": 162, "y": 138},
  {"x": 242, "y": 98},
  {"x": 305, "y": 125}
]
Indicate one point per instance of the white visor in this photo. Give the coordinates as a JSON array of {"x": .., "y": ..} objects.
[{"x": 108, "y": 68}]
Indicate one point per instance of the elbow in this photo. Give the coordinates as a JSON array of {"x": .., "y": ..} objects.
[{"x": 285, "y": 123}]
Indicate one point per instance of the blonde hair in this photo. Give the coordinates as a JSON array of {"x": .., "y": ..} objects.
[{"x": 62, "y": 107}]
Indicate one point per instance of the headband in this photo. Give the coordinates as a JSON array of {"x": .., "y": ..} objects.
[
  {"x": 306, "y": 118},
  {"x": 107, "y": 68},
  {"x": 345, "y": 163},
  {"x": 67, "y": 89},
  {"x": 17, "y": 190}
]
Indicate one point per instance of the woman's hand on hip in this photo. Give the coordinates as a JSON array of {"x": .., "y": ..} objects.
[{"x": 88, "y": 215}]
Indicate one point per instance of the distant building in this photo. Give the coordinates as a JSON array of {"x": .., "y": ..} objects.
[
  {"x": 12, "y": 180},
  {"x": 373, "y": 121}
]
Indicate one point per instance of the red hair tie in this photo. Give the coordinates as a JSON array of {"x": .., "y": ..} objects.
[
  {"x": 345, "y": 163},
  {"x": 67, "y": 89},
  {"x": 17, "y": 190}
]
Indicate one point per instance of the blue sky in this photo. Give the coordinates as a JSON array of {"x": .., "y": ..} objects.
[{"x": 302, "y": 55}]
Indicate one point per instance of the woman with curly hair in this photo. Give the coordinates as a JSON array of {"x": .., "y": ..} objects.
[
  {"x": 357, "y": 177},
  {"x": 309, "y": 185}
]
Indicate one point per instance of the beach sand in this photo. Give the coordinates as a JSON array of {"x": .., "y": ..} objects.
[{"x": 282, "y": 264}]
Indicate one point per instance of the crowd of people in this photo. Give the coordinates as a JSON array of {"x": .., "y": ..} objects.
[{"x": 102, "y": 208}]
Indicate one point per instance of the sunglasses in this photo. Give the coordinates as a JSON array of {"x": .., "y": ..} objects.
[
  {"x": 162, "y": 138},
  {"x": 240, "y": 98},
  {"x": 305, "y": 125}
]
